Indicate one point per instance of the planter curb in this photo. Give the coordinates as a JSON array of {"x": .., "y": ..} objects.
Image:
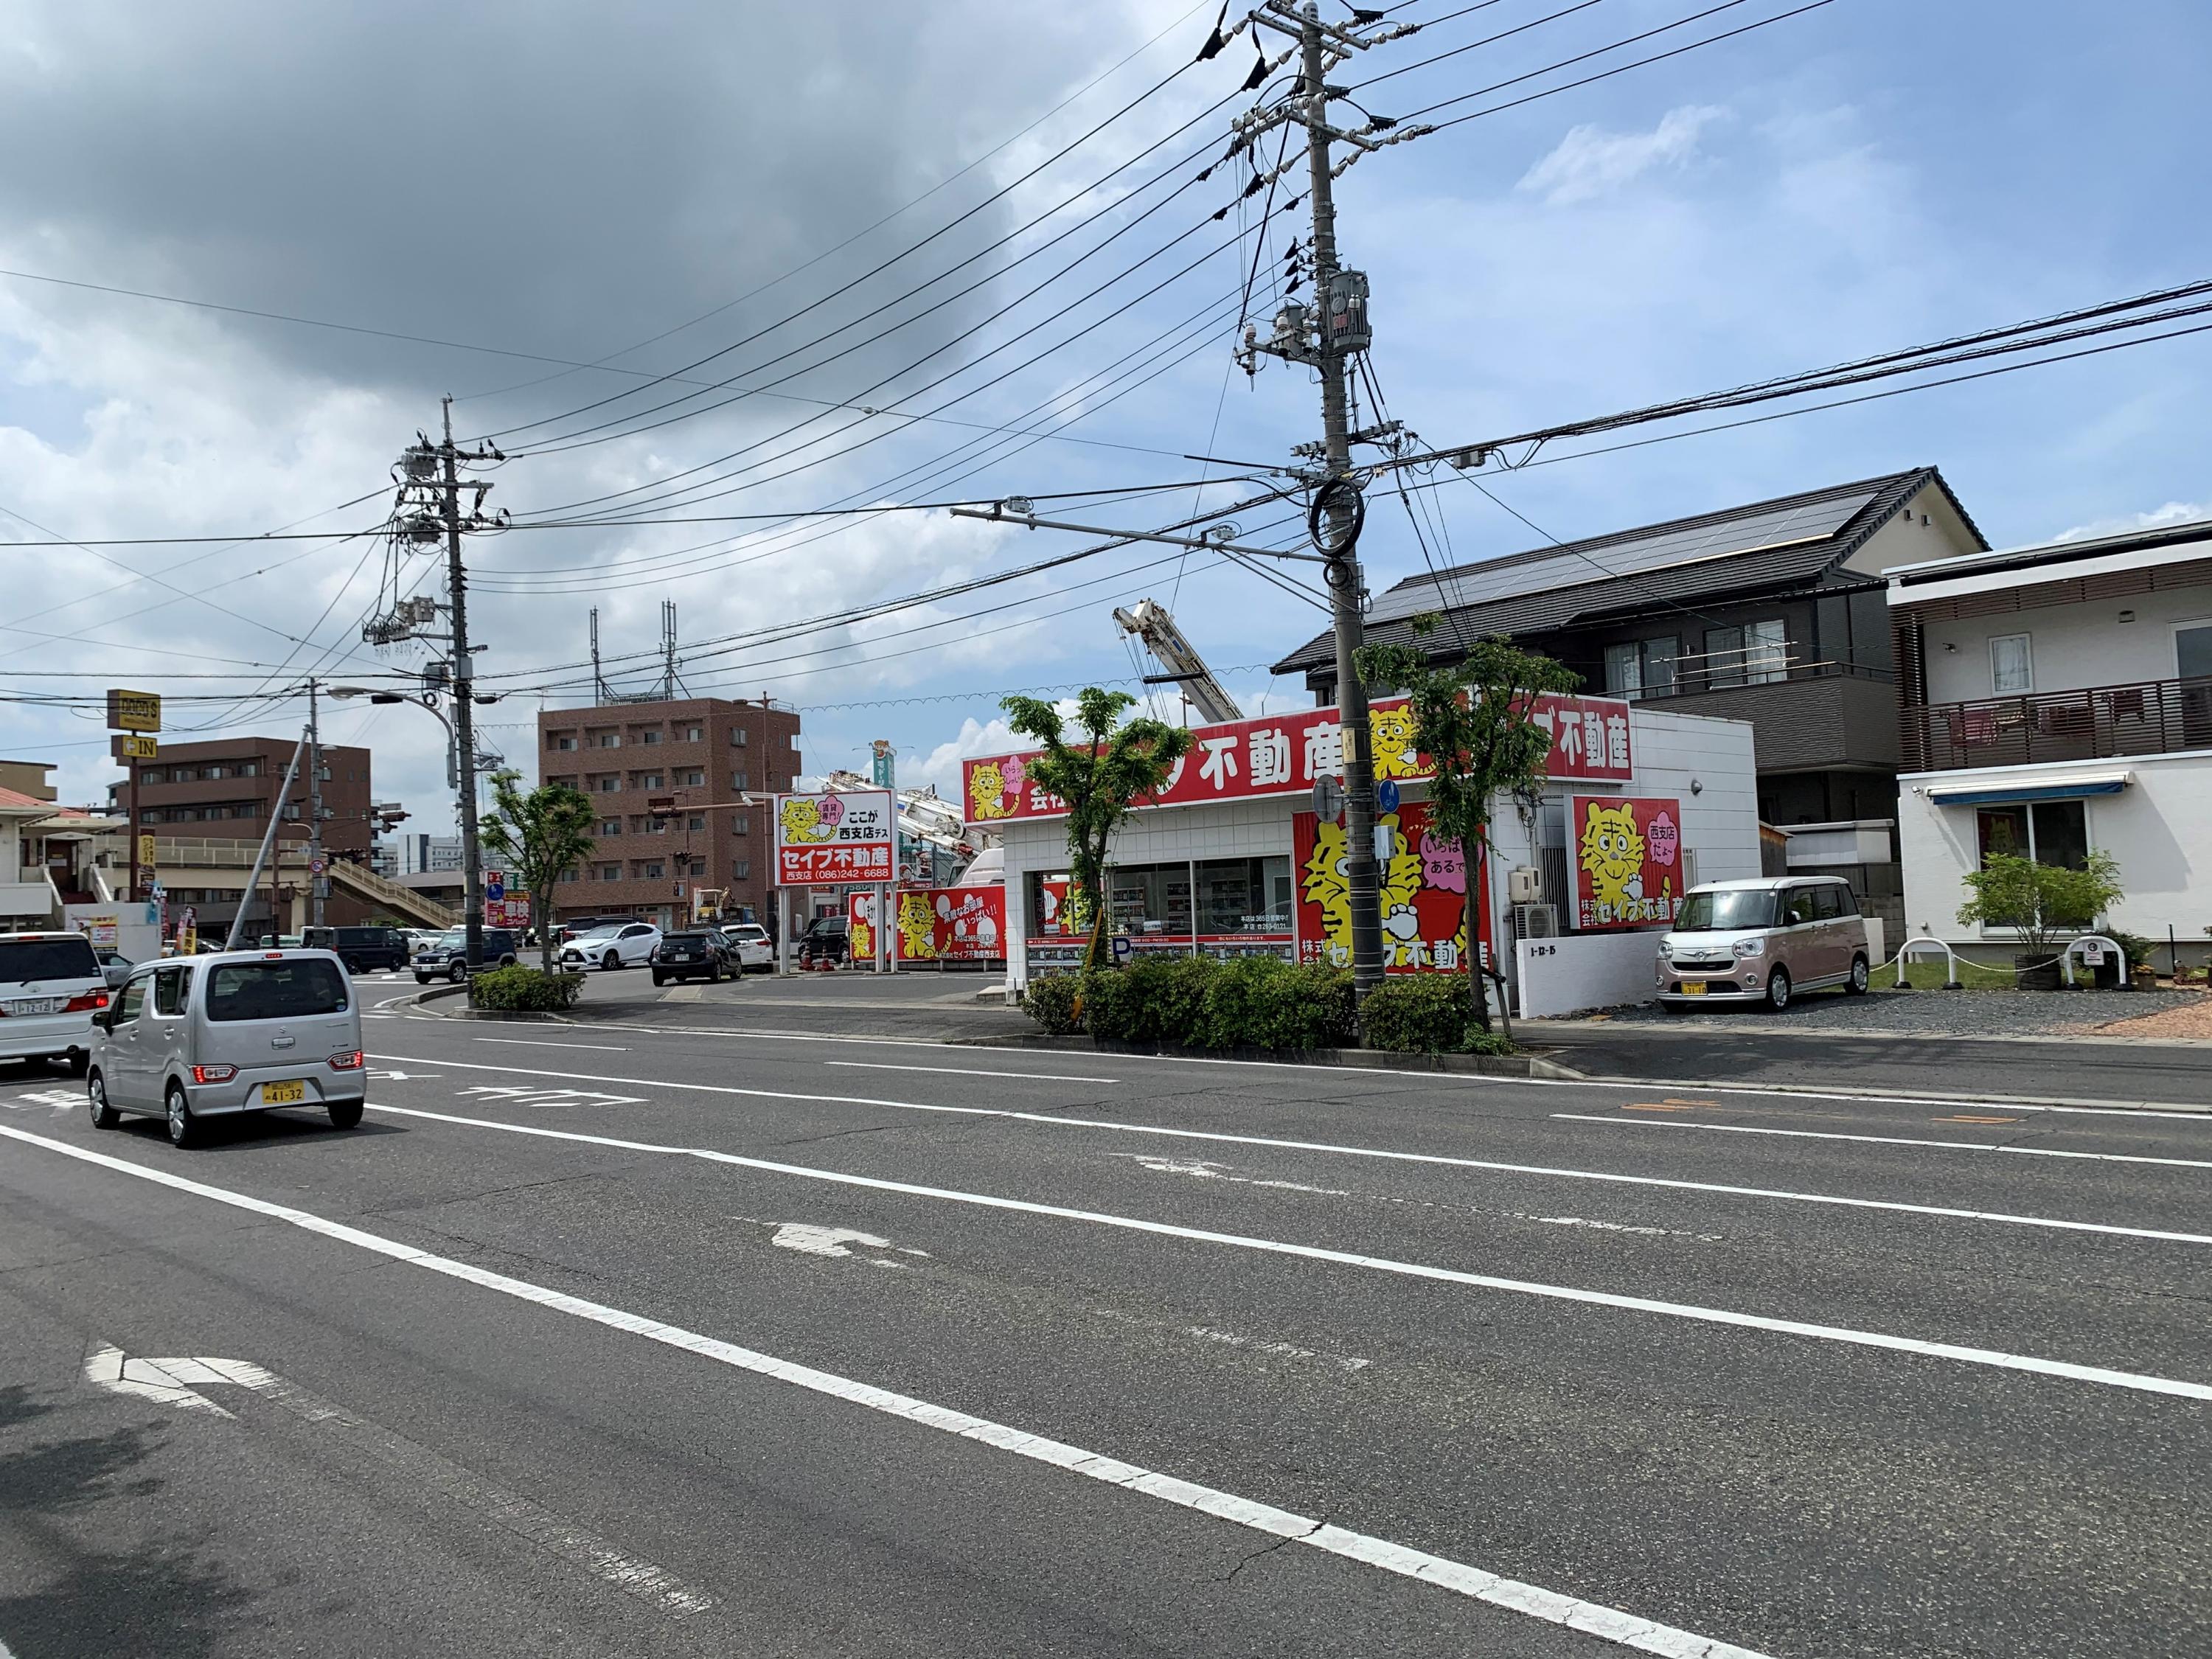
[{"x": 1357, "y": 1060}]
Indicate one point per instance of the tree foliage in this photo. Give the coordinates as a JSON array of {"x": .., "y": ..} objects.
[
  {"x": 1100, "y": 769},
  {"x": 2041, "y": 901},
  {"x": 1474, "y": 719},
  {"x": 538, "y": 835}
]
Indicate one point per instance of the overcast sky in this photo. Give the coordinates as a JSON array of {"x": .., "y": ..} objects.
[{"x": 566, "y": 183}]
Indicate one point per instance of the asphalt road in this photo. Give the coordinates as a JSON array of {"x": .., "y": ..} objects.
[{"x": 650, "y": 1337}]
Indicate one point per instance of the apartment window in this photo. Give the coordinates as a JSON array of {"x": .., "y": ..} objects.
[
  {"x": 741, "y": 779},
  {"x": 652, "y": 780},
  {"x": 794, "y": 742},
  {"x": 649, "y": 736},
  {"x": 694, "y": 734},
  {"x": 694, "y": 779},
  {"x": 741, "y": 823},
  {"x": 249, "y": 768},
  {"x": 739, "y": 738},
  {"x": 563, "y": 742},
  {"x": 153, "y": 774},
  {"x": 741, "y": 869},
  {"x": 655, "y": 870},
  {"x": 610, "y": 872},
  {"x": 698, "y": 867},
  {"x": 611, "y": 826},
  {"x": 1633, "y": 668},
  {"x": 216, "y": 774},
  {"x": 1753, "y": 654},
  {"x": 570, "y": 874},
  {"x": 610, "y": 739},
  {"x": 2011, "y": 669},
  {"x": 2192, "y": 650},
  {"x": 151, "y": 815},
  {"x": 608, "y": 786},
  {"x": 696, "y": 821},
  {"x": 2054, "y": 832}
]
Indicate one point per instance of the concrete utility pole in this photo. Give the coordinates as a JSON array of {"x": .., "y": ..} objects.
[
  {"x": 465, "y": 733},
  {"x": 317, "y": 884}
]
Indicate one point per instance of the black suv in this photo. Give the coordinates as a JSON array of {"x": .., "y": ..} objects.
[
  {"x": 701, "y": 954},
  {"x": 826, "y": 937},
  {"x": 448, "y": 958},
  {"x": 360, "y": 948}
]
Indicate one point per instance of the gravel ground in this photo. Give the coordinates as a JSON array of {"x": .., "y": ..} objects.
[{"x": 1970, "y": 1014}]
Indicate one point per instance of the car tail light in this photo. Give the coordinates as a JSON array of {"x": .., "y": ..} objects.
[
  {"x": 90, "y": 1001},
  {"x": 213, "y": 1074},
  {"x": 350, "y": 1061}
]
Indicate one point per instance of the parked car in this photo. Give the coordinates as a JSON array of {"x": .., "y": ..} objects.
[
  {"x": 750, "y": 943},
  {"x": 697, "y": 953},
  {"x": 621, "y": 945},
  {"x": 576, "y": 926},
  {"x": 242, "y": 1031},
  {"x": 51, "y": 985},
  {"x": 419, "y": 939},
  {"x": 449, "y": 957},
  {"x": 826, "y": 938},
  {"x": 1762, "y": 941},
  {"x": 362, "y": 948},
  {"x": 114, "y": 968}
]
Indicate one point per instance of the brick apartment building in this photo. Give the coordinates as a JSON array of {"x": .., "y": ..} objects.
[
  {"x": 705, "y": 752},
  {"x": 224, "y": 790}
]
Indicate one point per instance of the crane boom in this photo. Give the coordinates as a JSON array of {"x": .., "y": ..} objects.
[{"x": 1149, "y": 621}]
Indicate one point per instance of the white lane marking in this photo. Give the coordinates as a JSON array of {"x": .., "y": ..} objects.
[
  {"x": 1870, "y": 1097},
  {"x": 1940, "y": 1212},
  {"x": 965, "y": 1071},
  {"x": 537, "y": 1095},
  {"x": 1593, "y": 1618},
  {"x": 534, "y": 1042},
  {"x": 164, "y": 1381},
  {"x": 805, "y": 1236},
  {"x": 1200, "y": 1169},
  {"x": 1284, "y": 1350},
  {"x": 1911, "y": 1344},
  {"x": 56, "y": 1101},
  {"x": 1901, "y": 1140}
]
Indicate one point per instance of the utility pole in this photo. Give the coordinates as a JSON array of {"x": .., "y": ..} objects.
[
  {"x": 1327, "y": 342},
  {"x": 317, "y": 884},
  {"x": 465, "y": 719}
]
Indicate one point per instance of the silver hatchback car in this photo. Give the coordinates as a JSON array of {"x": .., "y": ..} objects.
[
  {"x": 238, "y": 1031},
  {"x": 1762, "y": 941}
]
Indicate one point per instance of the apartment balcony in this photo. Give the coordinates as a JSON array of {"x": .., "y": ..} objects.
[
  {"x": 1807, "y": 716},
  {"x": 2100, "y": 722}
]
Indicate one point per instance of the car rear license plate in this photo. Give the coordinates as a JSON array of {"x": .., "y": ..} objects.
[
  {"x": 290, "y": 1092},
  {"x": 36, "y": 1006},
  {"x": 1693, "y": 988}
]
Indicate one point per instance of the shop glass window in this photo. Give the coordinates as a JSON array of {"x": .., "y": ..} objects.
[
  {"x": 1048, "y": 904},
  {"x": 1150, "y": 898},
  {"x": 1244, "y": 895},
  {"x": 2011, "y": 669}
]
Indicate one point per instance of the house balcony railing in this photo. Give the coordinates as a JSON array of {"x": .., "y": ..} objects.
[{"x": 2099, "y": 722}]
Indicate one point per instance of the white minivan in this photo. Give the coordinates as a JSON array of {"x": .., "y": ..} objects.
[
  {"x": 238, "y": 1031},
  {"x": 51, "y": 985}
]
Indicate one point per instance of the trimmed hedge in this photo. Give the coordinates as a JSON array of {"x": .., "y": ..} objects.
[
  {"x": 1050, "y": 1002},
  {"x": 1428, "y": 1014},
  {"x": 525, "y": 990},
  {"x": 1200, "y": 1002}
]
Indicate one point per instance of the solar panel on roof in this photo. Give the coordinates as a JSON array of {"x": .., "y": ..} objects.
[{"x": 1629, "y": 555}]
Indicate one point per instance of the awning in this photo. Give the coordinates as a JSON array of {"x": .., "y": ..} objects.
[{"x": 2074, "y": 786}]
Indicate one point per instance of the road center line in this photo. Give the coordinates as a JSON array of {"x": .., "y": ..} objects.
[
  {"x": 539, "y": 1042},
  {"x": 1061, "y": 1121},
  {"x": 1884, "y": 1141},
  {"x": 1911, "y": 1344},
  {"x": 970, "y": 1071},
  {"x": 1608, "y": 1624}
]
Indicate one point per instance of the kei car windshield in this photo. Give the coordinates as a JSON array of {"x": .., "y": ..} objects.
[{"x": 1713, "y": 912}]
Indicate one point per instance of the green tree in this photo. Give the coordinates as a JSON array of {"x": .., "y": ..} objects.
[
  {"x": 1474, "y": 720},
  {"x": 2040, "y": 900},
  {"x": 1100, "y": 769},
  {"x": 539, "y": 836}
]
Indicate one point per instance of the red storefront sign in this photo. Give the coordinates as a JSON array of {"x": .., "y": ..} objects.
[
  {"x": 952, "y": 924},
  {"x": 839, "y": 840},
  {"x": 1423, "y": 896},
  {"x": 1285, "y": 754},
  {"x": 1627, "y": 851}
]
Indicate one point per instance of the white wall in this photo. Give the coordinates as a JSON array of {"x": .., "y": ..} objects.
[
  {"x": 2071, "y": 647},
  {"x": 1904, "y": 540},
  {"x": 2159, "y": 829},
  {"x": 1575, "y": 974}
]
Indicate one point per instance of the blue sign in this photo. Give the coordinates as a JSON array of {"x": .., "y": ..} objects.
[
  {"x": 494, "y": 886},
  {"x": 1386, "y": 794}
]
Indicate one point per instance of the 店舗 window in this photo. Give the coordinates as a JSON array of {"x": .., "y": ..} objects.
[
  {"x": 2011, "y": 669},
  {"x": 1244, "y": 895},
  {"x": 1641, "y": 668},
  {"x": 2053, "y": 832},
  {"x": 1150, "y": 898}
]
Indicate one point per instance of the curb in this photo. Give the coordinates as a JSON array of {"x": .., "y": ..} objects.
[
  {"x": 422, "y": 1000},
  {"x": 1352, "y": 1060}
]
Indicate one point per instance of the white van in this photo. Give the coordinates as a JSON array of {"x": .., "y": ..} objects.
[
  {"x": 238, "y": 1031},
  {"x": 51, "y": 986}
]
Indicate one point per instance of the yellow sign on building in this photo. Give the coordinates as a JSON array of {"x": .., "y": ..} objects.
[
  {"x": 136, "y": 749},
  {"x": 146, "y": 858},
  {"x": 133, "y": 711}
]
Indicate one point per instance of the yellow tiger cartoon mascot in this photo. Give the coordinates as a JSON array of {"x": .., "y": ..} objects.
[
  {"x": 802, "y": 823},
  {"x": 1327, "y": 885},
  {"x": 1396, "y": 754},
  {"x": 986, "y": 791},
  {"x": 917, "y": 927},
  {"x": 1612, "y": 851}
]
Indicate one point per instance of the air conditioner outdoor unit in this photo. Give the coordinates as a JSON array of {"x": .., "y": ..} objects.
[{"x": 1535, "y": 922}]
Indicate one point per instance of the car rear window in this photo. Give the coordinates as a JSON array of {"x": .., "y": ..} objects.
[
  {"x": 276, "y": 990},
  {"x": 47, "y": 958}
]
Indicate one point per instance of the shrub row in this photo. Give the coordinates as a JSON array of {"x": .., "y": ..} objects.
[
  {"x": 525, "y": 990},
  {"x": 1258, "y": 1002}
]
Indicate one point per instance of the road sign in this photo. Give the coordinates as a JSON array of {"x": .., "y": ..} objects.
[
  {"x": 130, "y": 749},
  {"x": 316, "y": 865},
  {"x": 1327, "y": 800},
  {"x": 133, "y": 711},
  {"x": 1386, "y": 794},
  {"x": 1123, "y": 949},
  {"x": 494, "y": 885}
]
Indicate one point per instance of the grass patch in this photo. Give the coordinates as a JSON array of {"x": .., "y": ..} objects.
[{"x": 1928, "y": 974}]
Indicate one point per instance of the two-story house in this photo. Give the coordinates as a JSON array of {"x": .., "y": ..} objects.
[
  {"x": 1771, "y": 613},
  {"x": 2056, "y": 699}
]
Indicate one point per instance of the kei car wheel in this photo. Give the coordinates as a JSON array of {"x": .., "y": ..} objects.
[
  {"x": 345, "y": 1113},
  {"x": 184, "y": 1127},
  {"x": 104, "y": 1116},
  {"x": 1777, "y": 989},
  {"x": 1860, "y": 975}
]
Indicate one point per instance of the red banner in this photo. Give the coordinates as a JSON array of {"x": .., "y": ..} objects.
[
  {"x": 1285, "y": 754},
  {"x": 1627, "y": 851},
  {"x": 952, "y": 924},
  {"x": 1424, "y": 894}
]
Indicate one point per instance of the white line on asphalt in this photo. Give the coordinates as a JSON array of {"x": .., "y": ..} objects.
[
  {"x": 1884, "y": 1141},
  {"x": 967, "y": 1071},
  {"x": 1608, "y": 1624},
  {"x": 1059, "y": 1122},
  {"x": 1870, "y": 1097},
  {"x": 1912, "y": 1345},
  {"x": 535, "y": 1042}
]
